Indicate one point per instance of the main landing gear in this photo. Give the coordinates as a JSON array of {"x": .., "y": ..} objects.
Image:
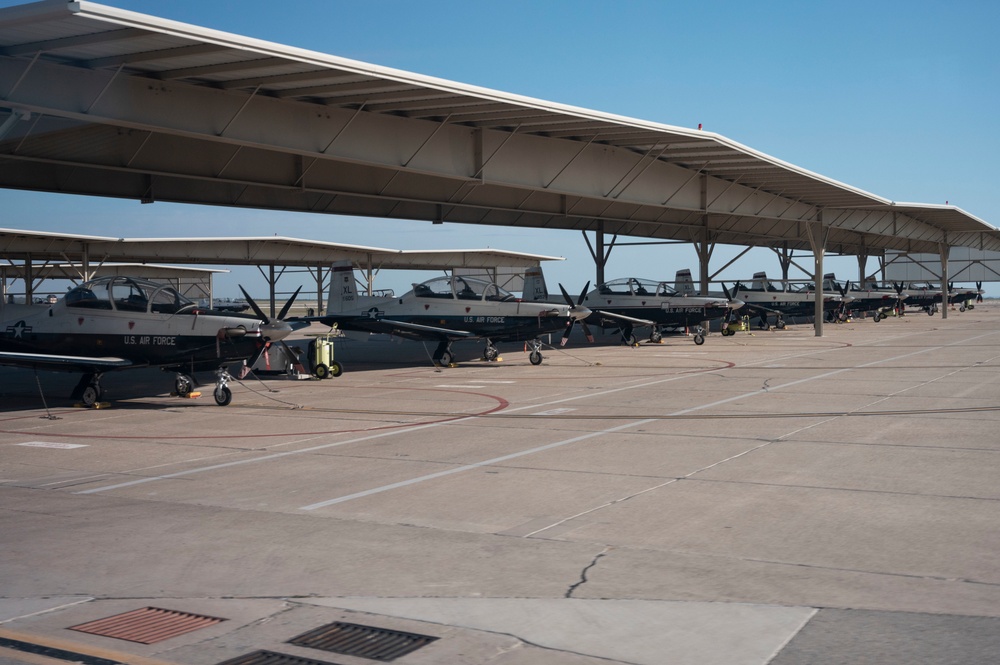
[
  {"x": 88, "y": 390},
  {"x": 184, "y": 384}
]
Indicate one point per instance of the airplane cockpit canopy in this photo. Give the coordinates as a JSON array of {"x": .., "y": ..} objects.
[
  {"x": 461, "y": 288},
  {"x": 127, "y": 294},
  {"x": 635, "y": 286}
]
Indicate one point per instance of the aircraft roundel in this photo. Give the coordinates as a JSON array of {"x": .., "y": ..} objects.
[
  {"x": 131, "y": 324},
  {"x": 468, "y": 309}
]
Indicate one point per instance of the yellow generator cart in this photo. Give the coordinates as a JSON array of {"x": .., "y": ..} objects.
[
  {"x": 738, "y": 324},
  {"x": 321, "y": 361}
]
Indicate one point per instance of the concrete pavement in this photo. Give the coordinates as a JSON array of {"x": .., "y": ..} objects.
[{"x": 764, "y": 498}]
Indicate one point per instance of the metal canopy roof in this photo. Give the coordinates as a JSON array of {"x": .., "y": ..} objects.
[
  {"x": 263, "y": 250},
  {"x": 96, "y": 100}
]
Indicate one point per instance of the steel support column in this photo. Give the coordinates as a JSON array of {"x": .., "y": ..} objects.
[
  {"x": 818, "y": 234},
  {"x": 945, "y": 249}
]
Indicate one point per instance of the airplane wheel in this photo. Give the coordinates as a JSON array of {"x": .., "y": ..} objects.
[
  {"x": 223, "y": 396},
  {"x": 446, "y": 358},
  {"x": 491, "y": 354},
  {"x": 699, "y": 339},
  {"x": 632, "y": 341},
  {"x": 183, "y": 386},
  {"x": 535, "y": 357},
  {"x": 655, "y": 337},
  {"x": 336, "y": 369},
  {"x": 780, "y": 325},
  {"x": 91, "y": 395},
  {"x": 930, "y": 312},
  {"x": 877, "y": 317},
  {"x": 321, "y": 371},
  {"x": 962, "y": 308}
]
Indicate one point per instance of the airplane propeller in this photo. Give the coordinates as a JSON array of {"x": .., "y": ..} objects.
[
  {"x": 979, "y": 292},
  {"x": 578, "y": 312},
  {"x": 276, "y": 330}
]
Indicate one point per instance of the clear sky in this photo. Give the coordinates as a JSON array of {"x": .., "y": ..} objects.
[{"x": 900, "y": 98}]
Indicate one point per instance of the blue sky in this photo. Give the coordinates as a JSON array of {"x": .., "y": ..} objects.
[{"x": 899, "y": 98}]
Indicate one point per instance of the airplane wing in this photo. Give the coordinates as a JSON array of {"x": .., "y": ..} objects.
[
  {"x": 622, "y": 317},
  {"x": 406, "y": 329},
  {"x": 62, "y": 363}
]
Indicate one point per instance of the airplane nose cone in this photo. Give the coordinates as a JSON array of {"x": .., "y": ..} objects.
[
  {"x": 276, "y": 330},
  {"x": 736, "y": 304},
  {"x": 579, "y": 312}
]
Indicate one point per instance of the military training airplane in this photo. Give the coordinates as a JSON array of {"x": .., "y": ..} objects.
[
  {"x": 873, "y": 297},
  {"x": 763, "y": 298},
  {"x": 927, "y": 296},
  {"x": 118, "y": 323},
  {"x": 630, "y": 302},
  {"x": 446, "y": 309}
]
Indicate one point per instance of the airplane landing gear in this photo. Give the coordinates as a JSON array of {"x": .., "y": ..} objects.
[
  {"x": 223, "y": 395},
  {"x": 183, "y": 385},
  {"x": 535, "y": 357},
  {"x": 490, "y": 353},
  {"x": 88, "y": 390},
  {"x": 442, "y": 354}
]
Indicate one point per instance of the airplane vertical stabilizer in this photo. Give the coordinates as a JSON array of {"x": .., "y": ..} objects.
[
  {"x": 343, "y": 288},
  {"x": 760, "y": 282},
  {"x": 534, "y": 286},
  {"x": 684, "y": 283}
]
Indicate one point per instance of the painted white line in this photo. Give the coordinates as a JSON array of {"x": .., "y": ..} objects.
[
  {"x": 409, "y": 430},
  {"x": 577, "y": 439},
  {"x": 553, "y": 412},
  {"x": 50, "y": 444}
]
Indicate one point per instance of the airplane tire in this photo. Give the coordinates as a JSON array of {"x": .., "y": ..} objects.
[
  {"x": 780, "y": 325},
  {"x": 223, "y": 396},
  {"x": 656, "y": 337},
  {"x": 183, "y": 386},
  {"x": 321, "y": 371},
  {"x": 91, "y": 395},
  {"x": 336, "y": 369},
  {"x": 535, "y": 358},
  {"x": 446, "y": 358},
  {"x": 877, "y": 317},
  {"x": 490, "y": 354},
  {"x": 699, "y": 339}
]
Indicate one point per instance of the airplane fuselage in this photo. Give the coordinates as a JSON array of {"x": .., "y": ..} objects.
[{"x": 187, "y": 339}]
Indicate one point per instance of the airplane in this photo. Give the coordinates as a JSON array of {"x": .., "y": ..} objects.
[
  {"x": 118, "y": 323},
  {"x": 927, "y": 296},
  {"x": 870, "y": 297},
  {"x": 446, "y": 309},
  {"x": 764, "y": 298},
  {"x": 630, "y": 302}
]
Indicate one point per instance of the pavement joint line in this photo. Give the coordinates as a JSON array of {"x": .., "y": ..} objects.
[
  {"x": 409, "y": 430},
  {"x": 577, "y": 439}
]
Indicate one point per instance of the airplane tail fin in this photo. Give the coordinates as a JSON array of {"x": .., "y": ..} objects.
[
  {"x": 760, "y": 281},
  {"x": 683, "y": 282},
  {"x": 343, "y": 288},
  {"x": 534, "y": 286}
]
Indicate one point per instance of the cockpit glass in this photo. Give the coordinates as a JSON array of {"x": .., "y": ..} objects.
[{"x": 461, "y": 287}]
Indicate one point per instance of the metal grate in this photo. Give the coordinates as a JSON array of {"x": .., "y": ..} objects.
[
  {"x": 272, "y": 658},
  {"x": 147, "y": 625},
  {"x": 365, "y": 641}
]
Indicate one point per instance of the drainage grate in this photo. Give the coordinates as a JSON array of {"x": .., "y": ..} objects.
[
  {"x": 354, "y": 640},
  {"x": 147, "y": 625},
  {"x": 272, "y": 658}
]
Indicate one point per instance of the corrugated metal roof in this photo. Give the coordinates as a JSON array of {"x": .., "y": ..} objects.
[{"x": 93, "y": 37}]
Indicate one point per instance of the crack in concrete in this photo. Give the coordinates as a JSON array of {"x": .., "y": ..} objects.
[{"x": 583, "y": 574}]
